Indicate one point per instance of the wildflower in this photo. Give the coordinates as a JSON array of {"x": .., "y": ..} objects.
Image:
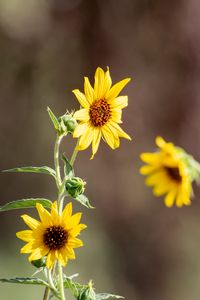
[
  {"x": 168, "y": 173},
  {"x": 54, "y": 237},
  {"x": 101, "y": 112}
]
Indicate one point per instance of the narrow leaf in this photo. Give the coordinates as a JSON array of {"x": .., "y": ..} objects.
[
  {"x": 35, "y": 281},
  {"x": 43, "y": 169},
  {"x": 102, "y": 296},
  {"x": 68, "y": 169},
  {"x": 25, "y": 203},
  {"x": 53, "y": 119},
  {"x": 84, "y": 201}
]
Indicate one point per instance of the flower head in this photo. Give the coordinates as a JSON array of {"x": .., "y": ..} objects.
[
  {"x": 101, "y": 112},
  {"x": 168, "y": 173},
  {"x": 54, "y": 236}
]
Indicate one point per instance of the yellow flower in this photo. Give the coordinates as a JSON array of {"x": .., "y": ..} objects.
[
  {"x": 55, "y": 236},
  {"x": 168, "y": 173},
  {"x": 101, "y": 112}
]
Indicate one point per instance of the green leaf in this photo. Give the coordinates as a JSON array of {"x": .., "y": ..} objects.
[
  {"x": 53, "y": 119},
  {"x": 25, "y": 203},
  {"x": 68, "y": 169},
  {"x": 84, "y": 201},
  {"x": 35, "y": 281},
  {"x": 73, "y": 286},
  {"x": 102, "y": 296},
  {"x": 43, "y": 170}
]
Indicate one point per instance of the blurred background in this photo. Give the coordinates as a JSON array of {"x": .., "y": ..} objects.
[{"x": 134, "y": 245}]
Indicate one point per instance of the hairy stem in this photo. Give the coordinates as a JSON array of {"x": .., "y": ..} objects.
[
  {"x": 56, "y": 160},
  {"x": 74, "y": 154},
  {"x": 61, "y": 284}
]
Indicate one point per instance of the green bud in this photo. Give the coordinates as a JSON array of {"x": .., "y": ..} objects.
[
  {"x": 39, "y": 263},
  {"x": 67, "y": 123},
  {"x": 88, "y": 293},
  {"x": 75, "y": 186}
]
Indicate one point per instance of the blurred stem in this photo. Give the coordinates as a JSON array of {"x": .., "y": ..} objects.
[
  {"x": 46, "y": 293},
  {"x": 61, "y": 284},
  {"x": 74, "y": 154}
]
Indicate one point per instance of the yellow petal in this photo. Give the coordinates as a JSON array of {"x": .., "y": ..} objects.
[
  {"x": 98, "y": 84},
  {"x": 170, "y": 198},
  {"x": 160, "y": 142},
  {"x": 109, "y": 137},
  {"x": 86, "y": 139},
  {"x": 89, "y": 91},
  {"x": 45, "y": 216},
  {"x": 119, "y": 130},
  {"x": 147, "y": 169},
  {"x": 107, "y": 81},
  {"x": 74, "y": 243},
  {"x": 151, "y": 158},
  {"x": 28, "y": 248},
  {"x": 76, "y": 230},
  {"x": 119, "y": 102},
  {"x": 67, "y": 212},
  {"x": 70, "y": 253},
  {"x": 32, "y": 223},
  {"x": 61, "y": 255},
  {"x": 96, "y": 141},
  {"x": 51, "y": 258},
  {"x": 38, "y": 253},
  {"x": 155, "y": 178},
  {"x": 25, "y": 235},
  {"x": 116, "y": 89},
  {"x": 54, "y": 213},
  {"x": 81, "y": 98},
  {"x": 82, "y": 115},
  {"x": 73, "y": 221},
  {"x": 80, "y": 130},
  {"x": 117, "y": 115}
]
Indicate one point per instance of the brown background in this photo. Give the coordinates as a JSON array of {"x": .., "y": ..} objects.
[{"x": 134, "y": 245}]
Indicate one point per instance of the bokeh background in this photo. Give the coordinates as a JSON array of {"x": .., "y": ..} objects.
[{"x": 134, "y": 245}]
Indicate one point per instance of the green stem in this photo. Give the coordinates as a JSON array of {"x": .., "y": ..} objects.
[
  {"x": 56, "y": 160},
  {"x": 74, "y": 154},
  {"x": 61, "y": 284}
]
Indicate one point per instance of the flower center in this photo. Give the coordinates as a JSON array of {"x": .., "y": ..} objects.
[
  {"x": 174, "y": 174},
  {"x": 99, "y": 112},
  {"x": 55, "y": 237}
]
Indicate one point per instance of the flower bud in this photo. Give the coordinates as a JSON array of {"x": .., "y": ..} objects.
[
  {"x": 68, "y": 123},
  {"x": 88, "y": 293},
  {"x": 75, "y": 186},
  {"x": 39, "y": 263}
]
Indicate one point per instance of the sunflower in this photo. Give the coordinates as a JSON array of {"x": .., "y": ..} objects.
[
  {"x": 168, "y": 173},
  {"x": 54, "y": 237},
  {"x": 101, "y": 112}
]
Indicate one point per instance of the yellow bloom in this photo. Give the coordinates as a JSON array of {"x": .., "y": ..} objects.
[
  {"x": 101, "y": 112},
  {"x": 55, "y": 236},
  {"x": 168, "y": 174}
]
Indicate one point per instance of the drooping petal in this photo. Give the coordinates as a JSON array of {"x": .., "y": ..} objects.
[
  {"x": 170, "y": 198},
  {"x": 32, "y": 223},
  {"x": 82, "y": 115},
  {"x": 81, "y": 98},
  {"x": 70, "y": 252},
  {"x": 109, "y": 137},
  {"x": 61, "y": 255},
  {"x": 120, "y": 132},
  {"x": 51, "y": 258},
  {"x": 116, "y": 89},
  {"x": 96, "y": 141}
]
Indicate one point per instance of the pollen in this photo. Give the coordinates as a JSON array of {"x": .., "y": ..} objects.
[
  {"x": 99, "y": 113},
  {"x": 55, "y": 237},
  {"x": 174, "y": 174}
]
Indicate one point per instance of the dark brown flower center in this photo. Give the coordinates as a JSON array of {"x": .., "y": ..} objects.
[
  {"x": 99, "y": 112},
  {"x": 55, "y": 237},
  {"x": 174, "y": 174}
]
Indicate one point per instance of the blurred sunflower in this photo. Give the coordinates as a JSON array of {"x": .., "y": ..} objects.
[
  {"x": 101, "y": 112},
  {"x": 168, "y": 173},
  {"x": 55, "y": 236}
]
